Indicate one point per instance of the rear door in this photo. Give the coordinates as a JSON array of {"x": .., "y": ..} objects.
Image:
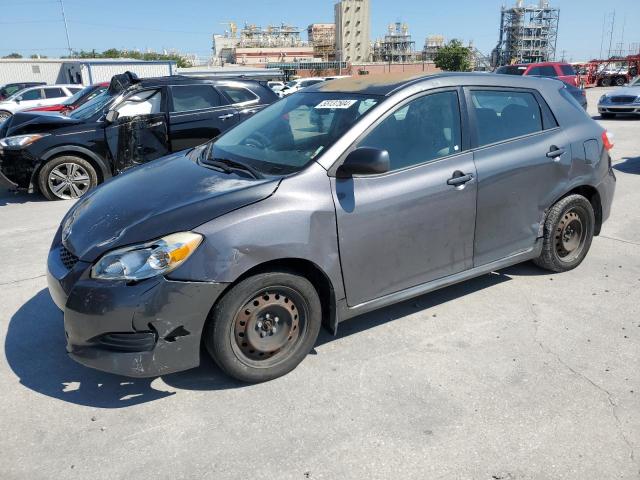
[
  {"x": 245, "y": 101},
  {"x": 53, "y": 95},
  {"x": 198, "y": 113},
  {"x": 140, "y": 132},
  {"x": 521, "y": 156},
  {"x": 415, "y": 223}
]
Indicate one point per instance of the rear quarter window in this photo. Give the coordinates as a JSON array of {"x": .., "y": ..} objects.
[
  {"x": 567, "y": 70},
  {"x": 543, "y": 71},
  {"x": 238, "y": 94}
]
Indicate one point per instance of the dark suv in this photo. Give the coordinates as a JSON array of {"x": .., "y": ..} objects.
[{"x": 134, "y": 122}]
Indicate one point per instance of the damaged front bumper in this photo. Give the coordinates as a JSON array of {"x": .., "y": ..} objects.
[
  {"x": 16, "y": 169},
  {"x": 146, "y": 329}
]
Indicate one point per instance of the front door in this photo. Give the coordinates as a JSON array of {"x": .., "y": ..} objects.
[
  {"x": 140, "y": 133},
  {"x": 198, "y": 114},
  {"x": 415, "y": 223}
]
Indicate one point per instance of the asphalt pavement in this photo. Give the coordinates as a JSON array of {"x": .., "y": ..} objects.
[{"x": 514, "y": 375}]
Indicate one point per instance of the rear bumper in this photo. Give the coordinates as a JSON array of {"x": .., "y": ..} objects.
[
  {"x": 607, "y": 190},
  {"x": 146, "y": 329}
]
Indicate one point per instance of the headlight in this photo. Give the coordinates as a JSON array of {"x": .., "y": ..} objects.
[
  {"x": 637, "y": 100},
  {"x": 603, "y": 99},
  {"x": 22, "y": 140},
  {"x": 148, "y": 260}
]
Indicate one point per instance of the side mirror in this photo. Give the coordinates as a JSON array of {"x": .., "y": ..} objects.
[
  {"x": 18, "y": 100},
  {"x": 364, "y": 161},
  {"x": 112, "y": 116}
]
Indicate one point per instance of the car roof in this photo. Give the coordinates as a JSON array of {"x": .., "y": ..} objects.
[
  {"x": 388, "y": 84},
  {"x": 538, "y": 64},
  {"x": 186, "y": 80}
]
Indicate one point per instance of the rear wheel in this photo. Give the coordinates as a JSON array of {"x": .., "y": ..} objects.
[
  {"x": 606, "y": 82},
  {"x": 264, "y": 326},
  {"x": 568, "y": 232},
  {"x": 66, "y": 178},
  {"x": 4, "y": 115},
  {"x": 620, "y": 81}
]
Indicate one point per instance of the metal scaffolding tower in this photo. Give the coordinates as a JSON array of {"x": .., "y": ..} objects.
[
  {"x": 528, "y": 34},
  {"x": 253, "y": 36},
  {"x": 397, "y": 46}
]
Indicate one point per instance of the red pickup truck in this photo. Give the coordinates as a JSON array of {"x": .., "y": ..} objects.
[{"x": 561, "y": 71}]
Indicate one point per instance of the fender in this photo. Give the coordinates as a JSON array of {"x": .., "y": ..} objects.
[{"x": 104, "y": 167}]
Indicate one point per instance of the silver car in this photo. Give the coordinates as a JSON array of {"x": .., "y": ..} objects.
[
  {"x": 335, "y": 201},
  {"x": 624, "y": 101}
]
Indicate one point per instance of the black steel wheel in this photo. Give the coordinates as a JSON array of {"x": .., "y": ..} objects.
[
  {"x": 605, "y": 82},
  {"x": 568, "y": 233},
  {"x": 620, "y": 81},
  {"x": 264, "y": 326}
]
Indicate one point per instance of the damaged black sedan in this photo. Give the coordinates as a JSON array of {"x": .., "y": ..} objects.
[{"x": 134, "y": 122}]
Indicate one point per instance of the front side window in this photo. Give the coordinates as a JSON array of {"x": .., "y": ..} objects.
[
  {"x": 238, "y": 94},
  {"x": 194, "y": 97},
  {"x": 141, "y": 103},
  {"x": 31, "y": 94},
  {"x": 502, "y": 115},
  {"x": 425, "y": 129},
  {"x": 288, "y": 135},
  {"x": 545, "y": 71}
]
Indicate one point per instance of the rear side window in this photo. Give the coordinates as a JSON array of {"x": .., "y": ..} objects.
[
  {"x": 54, "y": 93},
  {"x": 511, "y": 70},
  {"x": 238, "y": 94},
  {"x": 567, "y": 70},
  {"x": 502, "y": 115},
  {"x": 545, "y": 71},
  {"x": 74, "y": 89},
  {"x": 31, "y": 94},
  {"x": 425, "y": 129},
  {"x": 194, "y": 97}
]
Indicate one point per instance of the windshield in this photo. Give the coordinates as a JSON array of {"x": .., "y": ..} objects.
[
  {"x": 287, "y": 136},
  {"x": 92, "y": 107},
  {"x": 84, "y": 92},
  {"x": 512, "y": 70},
  {"x": 10, "y": 90}
]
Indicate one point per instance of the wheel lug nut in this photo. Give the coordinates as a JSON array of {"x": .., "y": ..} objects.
[
  {"x": 259, "y": 324},
  {"x": 268, "y": 316},
  {"x": 277, "y": 320},
  {"x": 274, "y": 330}
]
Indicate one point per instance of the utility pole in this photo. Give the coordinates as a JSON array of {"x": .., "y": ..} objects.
[
  {"x": 613, "y": 23},
  {"x": 66, "y": 28}
]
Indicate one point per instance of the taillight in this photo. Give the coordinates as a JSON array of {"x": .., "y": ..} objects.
[{"x": 607, "y": 139}]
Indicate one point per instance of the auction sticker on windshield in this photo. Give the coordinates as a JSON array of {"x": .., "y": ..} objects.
[{"x": 342, "y": 104}]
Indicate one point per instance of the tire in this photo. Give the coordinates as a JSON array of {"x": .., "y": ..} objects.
[
  {"x": 620, "y": 81},
  {"x": 605, "y": 82},
  {"x": 4, "y": 115},
  {"x": 66, "y": 178},
  {"x": 264, "y": 326},
  {"x": 568, "y": 233}
]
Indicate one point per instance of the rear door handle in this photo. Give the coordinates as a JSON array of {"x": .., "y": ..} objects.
[
  {"x": 555, "y": 152},
  {"x": 226, "y": 117},
  {"x": 459, "y": 178}
]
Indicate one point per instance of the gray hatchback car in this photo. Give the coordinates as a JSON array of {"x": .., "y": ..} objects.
[{"x": 333, "y": 202}]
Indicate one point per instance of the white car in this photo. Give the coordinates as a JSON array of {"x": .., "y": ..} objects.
[
  {"x": 299, "y": 84},
  {"x": 40, "y": 96}
]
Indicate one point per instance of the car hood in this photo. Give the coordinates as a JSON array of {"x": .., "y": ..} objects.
[
  {"x": 35, "y": 122},
  {"x": 631, "y": 91},
  {"x": 169, "y": 195}
]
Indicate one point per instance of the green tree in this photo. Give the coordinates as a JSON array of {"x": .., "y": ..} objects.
[
  {"x": 13, "y": 55},
  {"x": 454, "y": 57}
]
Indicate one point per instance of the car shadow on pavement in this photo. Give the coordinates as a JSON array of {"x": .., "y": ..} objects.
[
  {"x": 629, "y": 165},
  {"x": 8, "y": 197},
  {"x": 35, "y": 350}
]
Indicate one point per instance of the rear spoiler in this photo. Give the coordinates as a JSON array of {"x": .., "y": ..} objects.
[{"x": 121, "y": 82}]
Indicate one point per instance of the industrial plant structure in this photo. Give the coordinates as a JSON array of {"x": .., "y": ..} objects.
[
  {"x": 352, "y": 30},
  {"x": 397, "y": 45},
  {"x": 432, "y": 46},
  {"x": 322, "y": 36},
  {"x": 528, "y": 34}
]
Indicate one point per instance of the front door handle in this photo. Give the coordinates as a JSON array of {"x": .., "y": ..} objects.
[
  {"x": 459, "y": 178},
  {"x": 226, "y": 117},
  {"x": 555, "y": 152}
]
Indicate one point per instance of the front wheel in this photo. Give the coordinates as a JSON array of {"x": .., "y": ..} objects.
[
  {"x": 568, "y": 232},
  {"x": 66, "y": 178},
  {"x": 264, "y": 326}
]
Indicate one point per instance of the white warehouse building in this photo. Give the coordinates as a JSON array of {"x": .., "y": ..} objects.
[{"x": 78, "y": 71}]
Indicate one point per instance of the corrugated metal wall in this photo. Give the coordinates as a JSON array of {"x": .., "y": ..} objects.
[
  {"x": 104, "y": 72},
  {"x": 49, "y": 72},
  {"x": 76, "y": 72}
]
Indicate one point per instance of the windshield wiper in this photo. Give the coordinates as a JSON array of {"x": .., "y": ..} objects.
[{"x": 228, "y": 166}]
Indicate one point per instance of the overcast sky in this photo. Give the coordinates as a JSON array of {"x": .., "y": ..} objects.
[{"x": 35, "y": 26}]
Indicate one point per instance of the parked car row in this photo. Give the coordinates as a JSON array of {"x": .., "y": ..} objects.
[
  {"x": 332, "y": 202},
  {"x": 621, "y": 101},
  {"x": 10, "y": 88},
  {"x": 34, "y": 97},
  {"x": 131, "y": 122}
]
